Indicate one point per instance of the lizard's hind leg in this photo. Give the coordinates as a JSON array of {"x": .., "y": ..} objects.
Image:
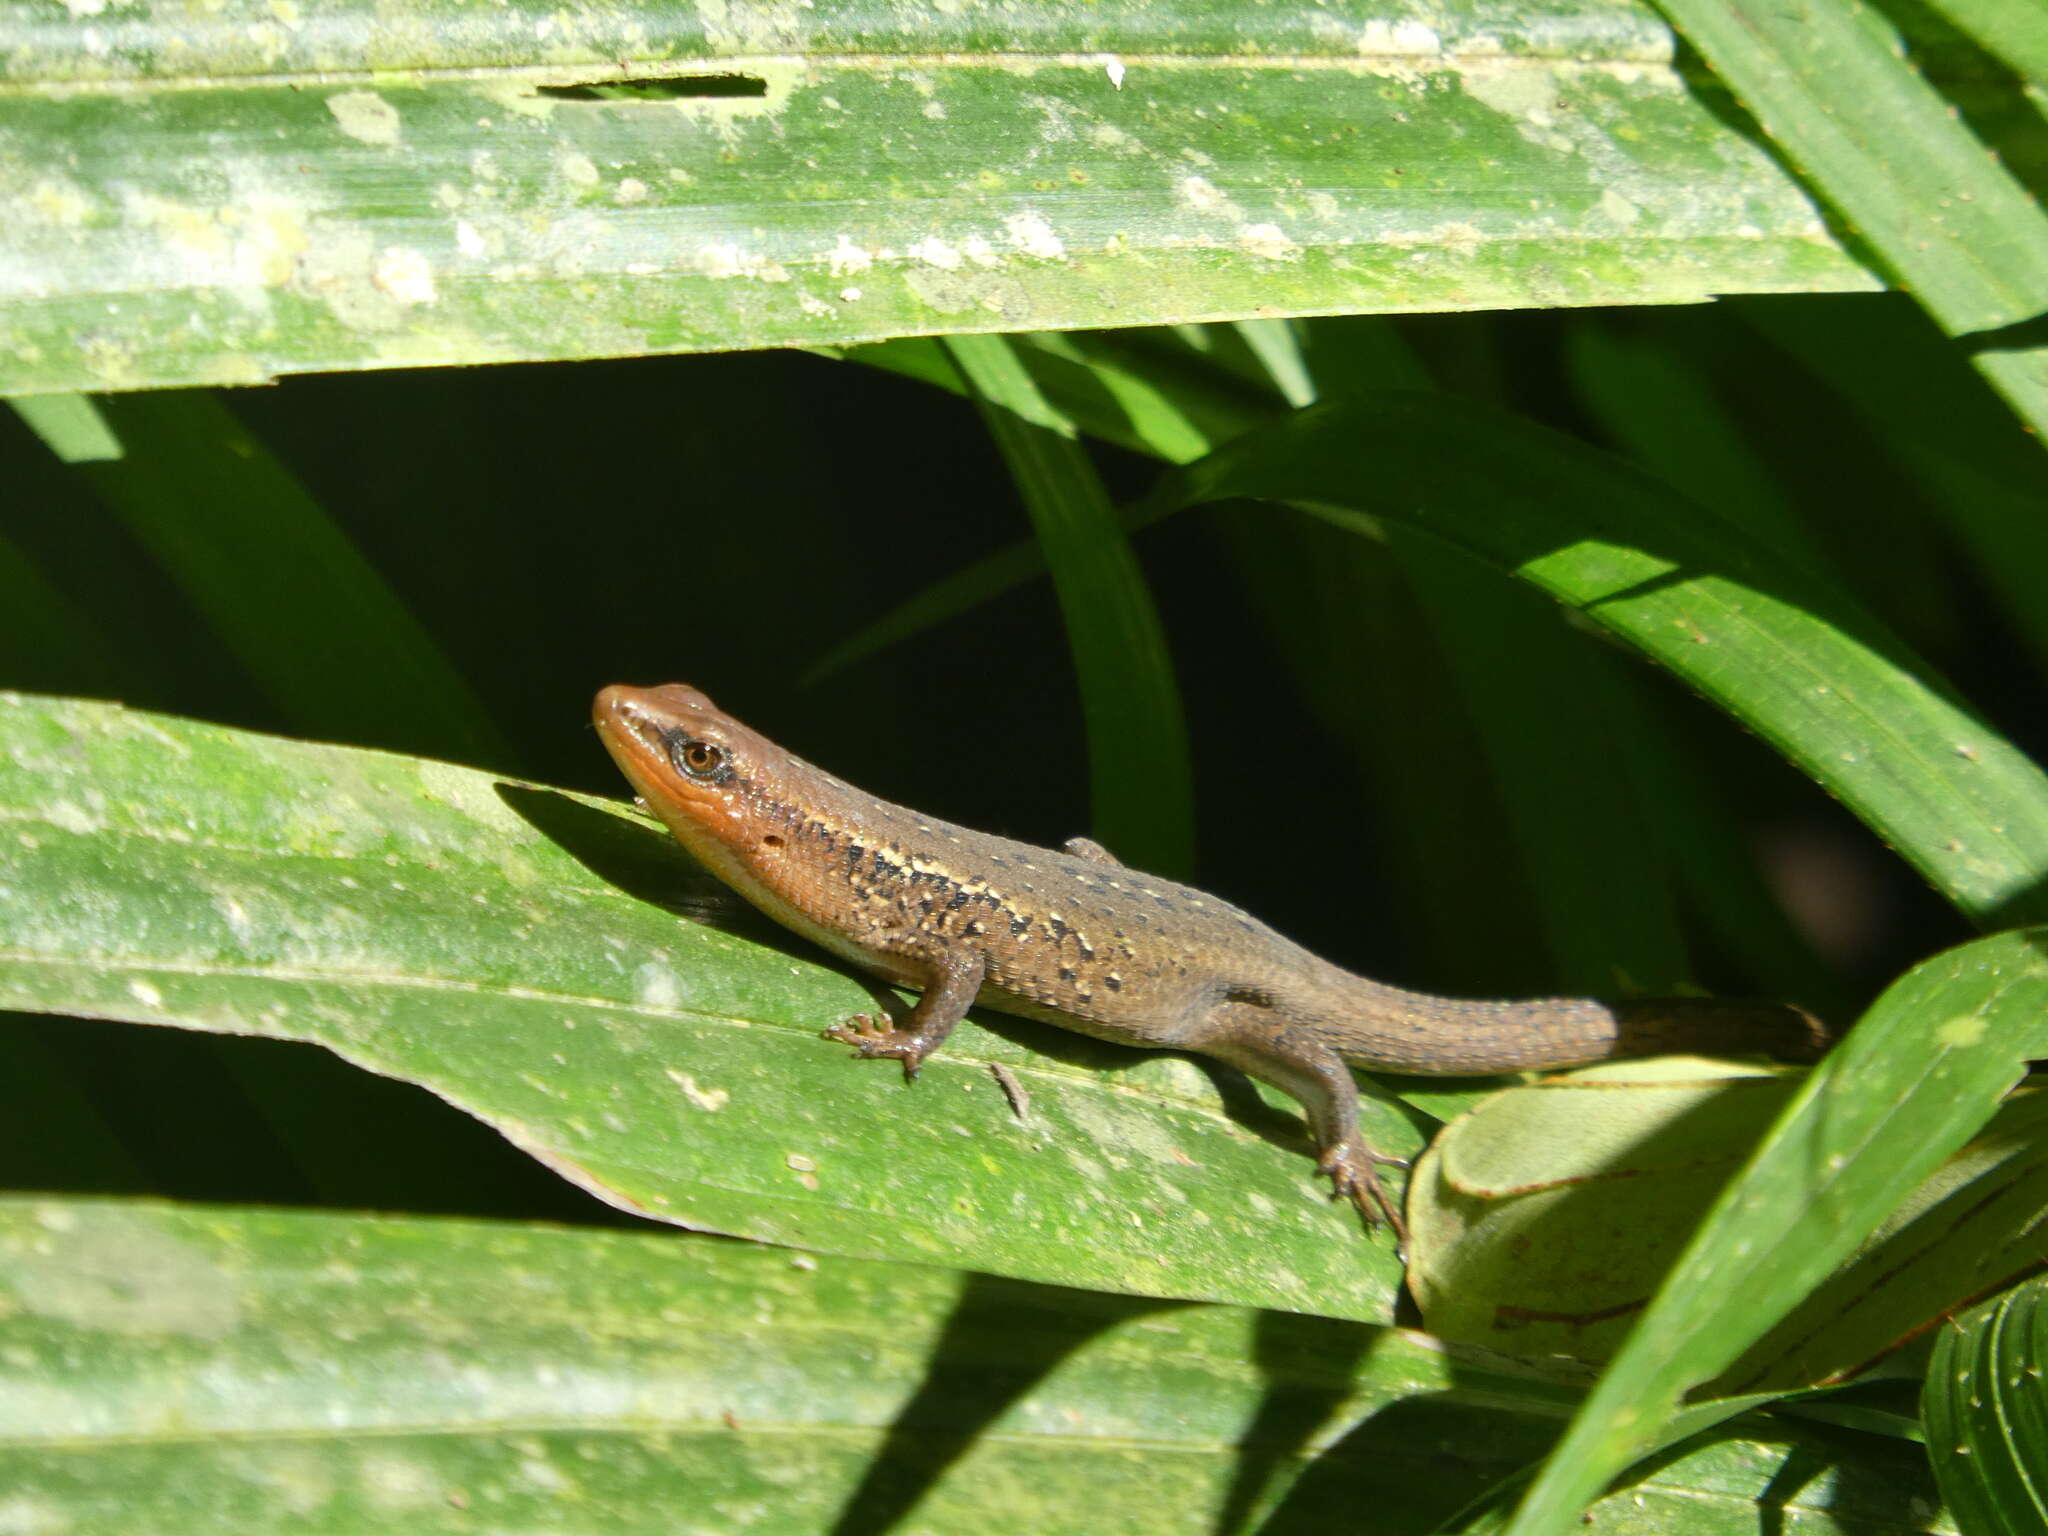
[{"x": 1249, "y": 1037}]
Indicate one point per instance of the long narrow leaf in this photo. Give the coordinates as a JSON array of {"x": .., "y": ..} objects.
[
  {"x": 514, "y": 950},
  {"x": 1791, "y": 658},
  {"x": 216, "y": 195},
  {"x": 259, "y": 558},
  {"x": 1829, "y": 82},
  {"x": 1987, "y": 1428},
  {"x": 242, "y": 1373},
  {"x": 1923, "y": 1071},
  {"x": 1137, "y": 740}
]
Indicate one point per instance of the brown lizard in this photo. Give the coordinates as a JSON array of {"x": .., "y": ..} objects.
[{"x": 1078, "y": 940}]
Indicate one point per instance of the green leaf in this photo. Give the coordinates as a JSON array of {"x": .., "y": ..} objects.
[
  {"x": 1830, "y": 83},
  {"x": 235, "y": 1372},
  {"x": 508, "y": 948},
  {"x": 1549, "y": 707},
  {"x": 2009, "y": 28},
  {"x": 259, "y": 558},
  {"x": 52, "y": 635},
  {"x": 1987, "y": 1433},
  {"x": 1130, "y": 389},
  {"x": 1919, "y": 1075},
  {"x": 220, "y": 196},
  {"x": 1542, "y": 1221},
  {"x": 70, "y": 426},
  {"x": 1143, "y": 789},
  {"x": 1938, "y": 428},
  {"x": 1780, "y": 650}
]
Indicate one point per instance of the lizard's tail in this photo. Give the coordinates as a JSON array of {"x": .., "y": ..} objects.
[{"x": 1413, "y": 1032}]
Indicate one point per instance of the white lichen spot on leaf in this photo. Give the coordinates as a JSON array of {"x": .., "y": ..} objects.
[
  {"x": 391, "y": 1482},
  {"x": 60, "y": 203},
  {"x": 934, "y": 252},
  {"x": 576, "y": 168},
  {"x": 1269, "y": 241},
  {"x": 1197, "y": 194},
  {"x": 846, "y": 259},
  {"x": 1033, "y": 236},
  {"x": 365, "y": 117},
  {"x": 710, "y": 1100},
  {"x": 654, "y": 986},
  {"x": 406, "y": 275},
  {"x": 1618, "y": 210},
  {"x": 122, "y": 1273}
]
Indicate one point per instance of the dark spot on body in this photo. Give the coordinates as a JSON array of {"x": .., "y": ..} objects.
[
  {"x": 960, "y": 899},
  {"x": 1019, "y": 924},
  {"x": 1114, "y": 983},
  {"x": 771, "y": 841}
]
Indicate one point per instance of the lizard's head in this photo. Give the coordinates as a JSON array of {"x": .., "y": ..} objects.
[{"x": 712, "y": 780}]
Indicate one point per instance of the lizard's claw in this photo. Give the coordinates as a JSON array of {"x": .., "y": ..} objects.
[
  {"x": 873, "y": 1037},
  {"x": 1353, "y": 1168}
]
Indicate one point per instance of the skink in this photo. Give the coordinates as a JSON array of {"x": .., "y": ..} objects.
[{"x": 1078, "y": 940}]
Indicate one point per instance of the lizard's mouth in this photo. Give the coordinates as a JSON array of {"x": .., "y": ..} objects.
[{"x": 638, "y": 727}]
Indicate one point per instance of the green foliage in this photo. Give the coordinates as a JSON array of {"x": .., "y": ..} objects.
[
  {"x": 1984, "y": 1414},
  {"x": 1609, "y": 651}
]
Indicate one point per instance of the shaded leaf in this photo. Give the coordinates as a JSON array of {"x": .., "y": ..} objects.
[
  {"x": 1143, "y": 789},
  {"x": 1831, "y": 84},
  {"x": 1987, "y": 1430},
  {"x": 237, "y": 1372},
  {"x": 1920, "y": 1074},
  {"x": 1778, "y": 648},
  {"x": 1544, "y": 1220}
]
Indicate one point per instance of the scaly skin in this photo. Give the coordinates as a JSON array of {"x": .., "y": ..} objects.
[{"x": 1076, "y": 939}]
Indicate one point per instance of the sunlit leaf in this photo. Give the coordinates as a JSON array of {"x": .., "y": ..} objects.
[
  {"x": 507, "y": 947},
  {"x": 219, "y": 195}
]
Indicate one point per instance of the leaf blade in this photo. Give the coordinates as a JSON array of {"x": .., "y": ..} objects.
[
  {"x": 1142, "y": 780},
  {"x": 1354, "y": 166},
  {"x": 518, "y": 952},
  {"x": 1792, "y": 659}
]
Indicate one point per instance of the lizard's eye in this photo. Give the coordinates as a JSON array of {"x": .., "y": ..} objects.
[{"x": 698, "y": 759}]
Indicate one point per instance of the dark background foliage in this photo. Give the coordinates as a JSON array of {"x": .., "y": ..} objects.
[{"x": 727, "y": 520}]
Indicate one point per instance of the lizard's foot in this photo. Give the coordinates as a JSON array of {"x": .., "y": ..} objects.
[
  {"x": 873, "y": 1037},
  {"x": 1353, "y": 1168}
]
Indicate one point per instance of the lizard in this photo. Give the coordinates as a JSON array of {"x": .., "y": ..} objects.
[{"x": 1074, "y": 938}]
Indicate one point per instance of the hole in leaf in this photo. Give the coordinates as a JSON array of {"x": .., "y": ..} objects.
[{"x": 678, "y": 88}]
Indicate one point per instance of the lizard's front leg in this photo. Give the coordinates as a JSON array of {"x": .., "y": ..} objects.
[{"x": 956, "y": 975}]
